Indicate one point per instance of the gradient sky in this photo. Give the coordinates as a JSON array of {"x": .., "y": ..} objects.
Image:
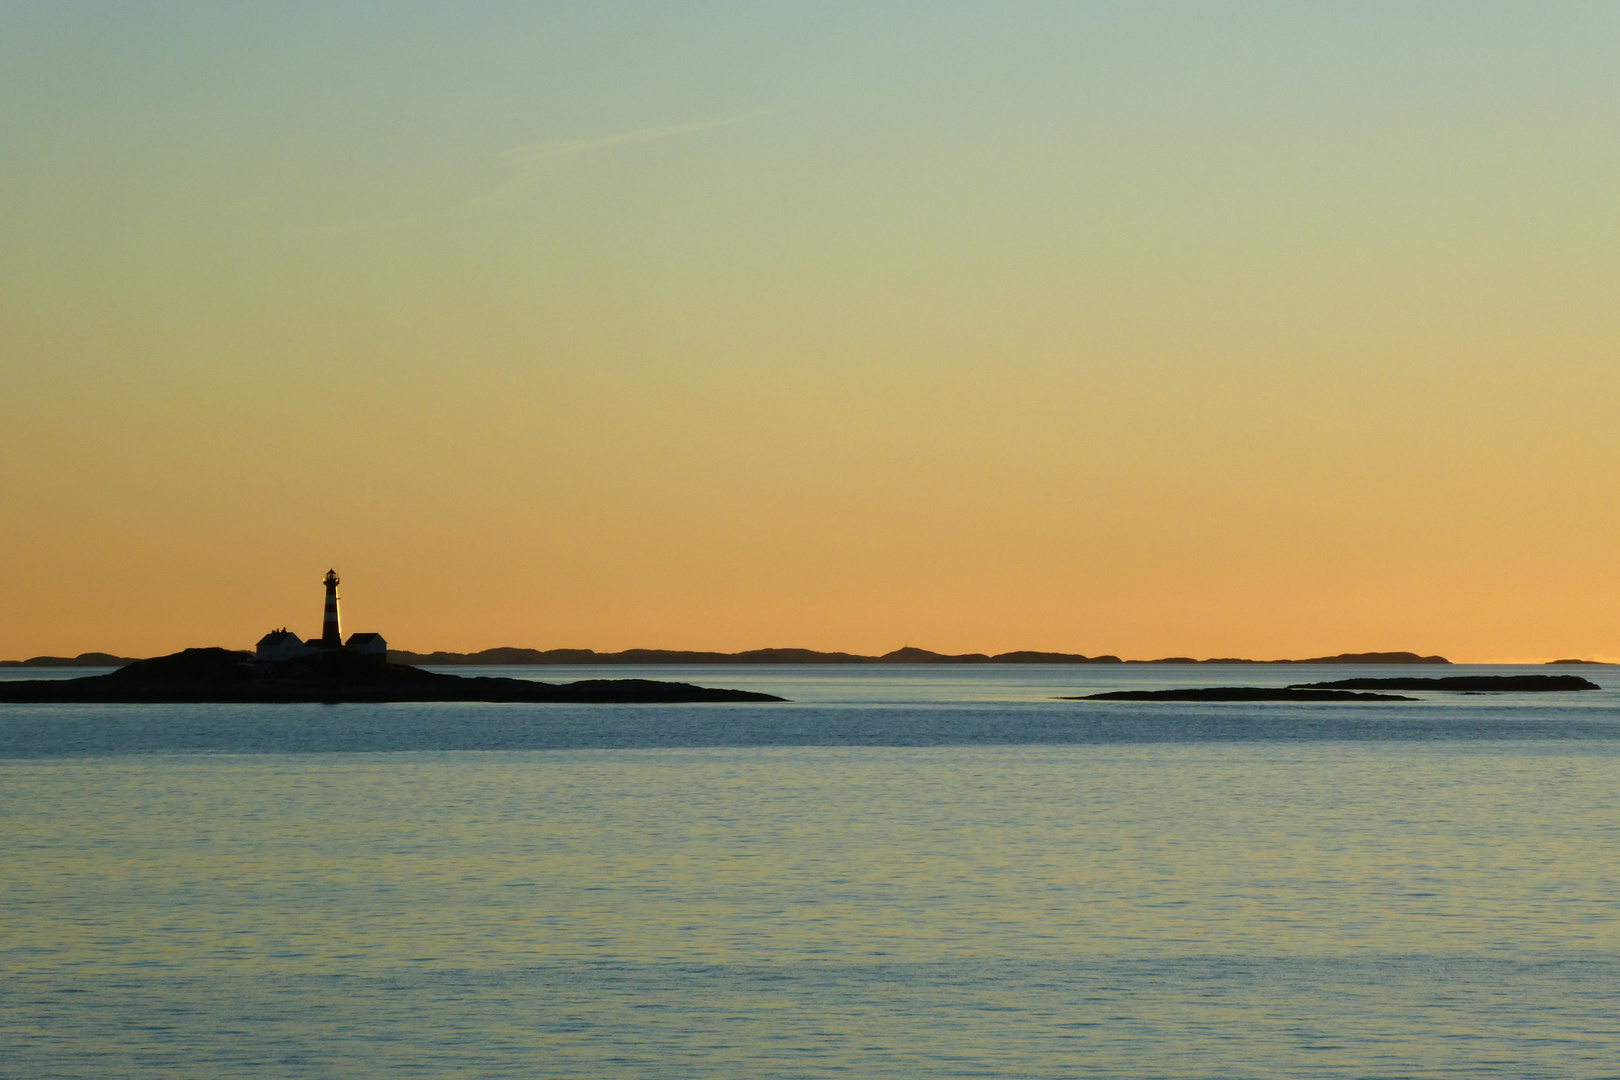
[{"x": 1255, "y": 329}]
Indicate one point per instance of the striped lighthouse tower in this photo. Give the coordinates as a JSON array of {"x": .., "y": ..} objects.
[{"x": 331, "y": 636}]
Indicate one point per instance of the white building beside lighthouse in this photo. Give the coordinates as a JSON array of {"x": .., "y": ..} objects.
[{"x": 280, "y": 645}]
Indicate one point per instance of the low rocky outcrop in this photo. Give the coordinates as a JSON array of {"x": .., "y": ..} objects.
[
  {"x": 224, "y": 676},
  {"x": 1237, "y": 693},
  {"x": 1467, "y": 684}
]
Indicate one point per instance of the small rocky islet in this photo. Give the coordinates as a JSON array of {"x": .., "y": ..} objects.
[
  {"x": 1237, "y": 693},
  {"x": 1356, "y": 689},
  {"x": 1463, "y": 684}
]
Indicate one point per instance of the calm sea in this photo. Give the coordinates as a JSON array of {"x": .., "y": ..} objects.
[{"x": 909, "y": 872}]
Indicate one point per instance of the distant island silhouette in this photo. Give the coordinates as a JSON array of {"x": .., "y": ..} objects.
[
  {"x": 907, "y": 655},
  {"x": 87, "y": 659},
  {"x": 335, "y": 676},
  {"x": 518, "y": 657}
]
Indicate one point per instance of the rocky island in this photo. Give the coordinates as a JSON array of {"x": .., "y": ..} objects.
[
  {"x": 328, "y": 669},
  {"x": 336, "y": 676}
]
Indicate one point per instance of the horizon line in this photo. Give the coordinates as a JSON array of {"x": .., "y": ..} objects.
[{"x": 808, "y": 656}]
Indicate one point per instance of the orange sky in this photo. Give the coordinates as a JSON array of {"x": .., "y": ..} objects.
[{"x": 1260, "y": 331}]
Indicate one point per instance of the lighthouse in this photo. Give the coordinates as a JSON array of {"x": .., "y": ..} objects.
[
  {"x": 279, "y": 646},
  {"x": 331, "y": 636}
]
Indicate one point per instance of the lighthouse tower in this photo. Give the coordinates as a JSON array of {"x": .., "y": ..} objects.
[
  {"x": 283, "y": 645},
  {"x": 331, "y": 636}
]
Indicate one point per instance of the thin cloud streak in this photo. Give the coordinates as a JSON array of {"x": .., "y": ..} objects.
[{"x": 522, "y": 166}]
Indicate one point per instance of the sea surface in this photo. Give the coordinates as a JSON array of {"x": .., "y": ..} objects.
[{"x": 905, "y": 872}]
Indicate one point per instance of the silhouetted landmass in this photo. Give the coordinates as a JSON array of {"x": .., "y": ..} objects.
[
  {"x": 1463, "y": 684},
  {"x": 86, "y": 659},
  {"x": 907, "y": 655},
  {"x": 1599, "y": 663},
  {"x": 1341, "y": 658},
  {"x": 1237, "y": 693},
  {"x": 220, "y": 675}
]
